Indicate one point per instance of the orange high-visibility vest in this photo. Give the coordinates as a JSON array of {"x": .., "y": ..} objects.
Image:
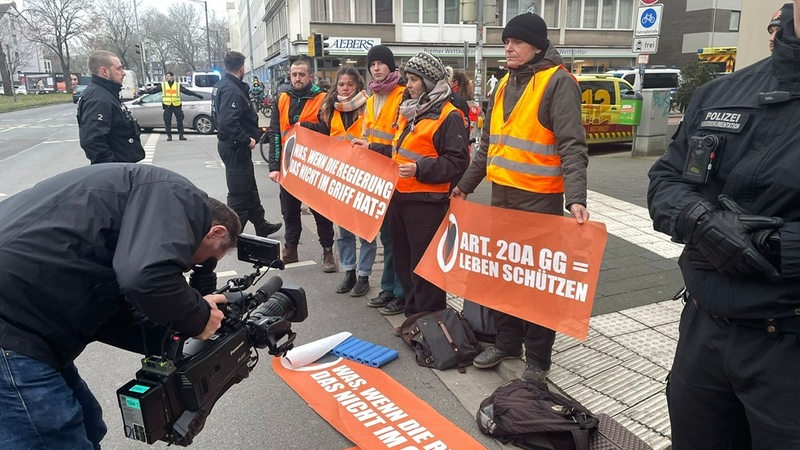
[
  {"x": 418, "y": 144},
  {"x": 309, "y": 113},
  {"x": 381, "y": 129},
  {"x": 338, "y": 130},
  {"x": 523, "y": 153},
  {"x": 171, "y": 95}
]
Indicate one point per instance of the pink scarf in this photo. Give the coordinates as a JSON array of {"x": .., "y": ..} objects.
[{"x": 385, "y": 86}]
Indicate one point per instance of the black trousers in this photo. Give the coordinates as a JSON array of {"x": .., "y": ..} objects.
[
  {"x": 513, "y": 331},
  {"x": 733, "y": 387},
  {"x": 412, "y": 226},
  {"x": 290, "y": 208},
  {"x": 241, "y": 179},
  {"x": 169, "y": 110}
]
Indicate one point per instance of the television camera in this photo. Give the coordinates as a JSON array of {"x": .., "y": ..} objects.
[{"x": 173, "y": 393}]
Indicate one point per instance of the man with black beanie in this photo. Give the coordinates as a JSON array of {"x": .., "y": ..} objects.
[
  {"x": 732, "y": 381},
  {"x": 554, "y": 130}
]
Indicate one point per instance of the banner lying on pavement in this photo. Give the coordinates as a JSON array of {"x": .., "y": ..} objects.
[
  {"x": 351, "y": 186},
  {"x": 539, "y": 267},
  {"x": 371, "y": 409}
]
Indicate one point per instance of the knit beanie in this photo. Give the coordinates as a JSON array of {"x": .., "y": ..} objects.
[
  {"x": 427, "y": 67},
  {"x": 529, "y": 28},
  {"x": 383, "y": 54},
  {"x": 781, "y": 17}
]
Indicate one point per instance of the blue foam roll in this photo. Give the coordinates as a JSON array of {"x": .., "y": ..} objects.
[
  {"x": 369, "y": 353},
  {"x": 384, "y": 358},
  {"x": 354, "y": 350},
  {"x": 344, "y": 346}
]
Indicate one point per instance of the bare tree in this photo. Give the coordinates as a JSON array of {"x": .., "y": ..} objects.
[
  {"x": 186, "y": 33},
  {"x": 157, "y": 29},
  {"x": 219, "y": 40},
  {"x": 115, "y": 23},
  {"x": 54, "y": 24}
]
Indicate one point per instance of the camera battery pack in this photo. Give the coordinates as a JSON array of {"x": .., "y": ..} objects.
[{"x": 140, "y": 403}]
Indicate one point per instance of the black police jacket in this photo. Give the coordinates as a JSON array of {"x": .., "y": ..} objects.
[
  {"x": 108, "y": 132},
  {"x": 233, "y": 113},
  {"x": 757, "y": 166},
  {"x": 74, "y": 247}
]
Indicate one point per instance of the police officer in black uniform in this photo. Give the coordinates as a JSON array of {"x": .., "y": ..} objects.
[
  {"x": 728, "y": 189},
  {"x": 108, "y": 132},
  {"x": 237, "y": 135}
]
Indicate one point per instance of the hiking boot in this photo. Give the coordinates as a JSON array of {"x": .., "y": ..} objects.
[
  {"x": 535, "y": 375},
  {"x": 361, "y": 288},
  {"x": 182, "y": 138},
  {"x": 491, "y": 356},
  {"x": 265, "y": 228},
  {"x": 289, "y": 254},
  {"x": 396, "y": 306},
  {"x": 169, "y": 138},
  {"x": 348, "y": 282},
  {"x": 381, "y": 300},
  {"x": 328, "y": 261}
]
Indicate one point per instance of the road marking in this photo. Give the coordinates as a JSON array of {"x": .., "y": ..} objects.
[
  {"x": 60, "y": 142},
  {"x": 631, "y": 223},
  {"x": 150, "y": 149},
  {"x": 12, "y": 128}
]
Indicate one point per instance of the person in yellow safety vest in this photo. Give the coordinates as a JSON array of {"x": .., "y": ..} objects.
[
  {"x": 342, "y": 116},
  {"x": 301, "y": 103},
  {"x": 431, "y": 151},
  {"x": 380, "y": 125},
  {"x": 538, "y": 167},
  {"x": 171, "y": 102}
]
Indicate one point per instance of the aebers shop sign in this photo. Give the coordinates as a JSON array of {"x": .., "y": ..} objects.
[{"x": 351, "y": 45}]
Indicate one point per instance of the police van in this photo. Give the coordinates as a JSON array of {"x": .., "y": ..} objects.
[{"x": 610, "y": 108}]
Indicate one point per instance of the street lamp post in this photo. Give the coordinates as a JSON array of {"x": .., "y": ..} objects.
[{"x": 208, "y": 36}]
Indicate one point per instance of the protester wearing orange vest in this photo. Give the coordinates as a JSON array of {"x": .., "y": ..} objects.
[
  {"x": 171, "y": 102},
  {"x": 301, "y": 103},
  {"x": 431, "y": 150},
  {"x": 537, "y": 167},
  {"x": 380, "y": 126},
  {"x": 342, "y": 116}
]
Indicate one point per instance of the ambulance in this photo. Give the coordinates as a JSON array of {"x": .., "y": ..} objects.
[
  {"x": 723, "y": 58},
  {"x": 610, "y": 108}
]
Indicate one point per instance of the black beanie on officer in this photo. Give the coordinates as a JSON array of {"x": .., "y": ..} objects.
[
  {"x": 529, "y": 28},
  {"x": 383, "y": 54}
]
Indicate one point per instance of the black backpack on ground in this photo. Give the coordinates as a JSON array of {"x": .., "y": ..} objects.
[
  {"x": 534, "y": 418},
  {"x": 480, "y": 320},
  {"x": 441, "y": 339}
]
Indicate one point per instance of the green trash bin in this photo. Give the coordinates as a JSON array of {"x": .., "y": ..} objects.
[{"x": 631, "y": 110}]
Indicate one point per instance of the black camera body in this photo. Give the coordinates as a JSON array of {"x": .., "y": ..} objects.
[{"x": 173, "y": 393}]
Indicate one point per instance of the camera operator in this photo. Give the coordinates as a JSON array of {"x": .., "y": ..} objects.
[{"x": 96, "y": 254}]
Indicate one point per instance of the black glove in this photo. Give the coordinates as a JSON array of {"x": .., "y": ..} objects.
[{"x": 725, "y": 238}]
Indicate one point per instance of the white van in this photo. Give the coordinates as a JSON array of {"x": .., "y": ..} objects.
[
  {"x": 130, "y": 85},
  {"x": 653, "y": 78},
  {"x": 202, "y": 81}
]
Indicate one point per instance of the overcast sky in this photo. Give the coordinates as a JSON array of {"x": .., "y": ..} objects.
[{"x": 215, "y": 7}]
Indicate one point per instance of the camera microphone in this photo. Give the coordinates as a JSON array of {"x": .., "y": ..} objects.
[{"x": 269, "y": 288}]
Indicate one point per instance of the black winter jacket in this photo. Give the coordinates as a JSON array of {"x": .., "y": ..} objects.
[
  {"x": 74, "y": 247},
  {"x": 233, "y": 113},
  {"x": 108, "y": 132},
  {"x": 757, "y": 167}
]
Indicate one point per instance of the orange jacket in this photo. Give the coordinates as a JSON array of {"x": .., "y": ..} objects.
[
  {"x": 309, "y": 114},
  {"x": 381, "y": 129},
  {"x": 523, "y": 153},
  {"x": 337, "y": 127}
]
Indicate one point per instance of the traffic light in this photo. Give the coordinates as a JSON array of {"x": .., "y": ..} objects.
[
  {"x": 320, "y": 46},
  {"x": 138, "y": 49},
  {"x": 311, "y": 47}
]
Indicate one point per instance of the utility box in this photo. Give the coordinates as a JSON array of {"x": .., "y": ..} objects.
[
  {"x": 630, "y": 112},
  {"x": 651, "y": 134}
]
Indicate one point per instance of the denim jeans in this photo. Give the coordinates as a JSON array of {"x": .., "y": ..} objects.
[
  {"x": 346, "y": 243},
  {"x": 389, "y": 280},
  {"x": 41, "y": 407}
]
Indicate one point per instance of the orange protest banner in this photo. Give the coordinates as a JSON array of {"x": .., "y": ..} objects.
[
  {"x": 538, "y": 267},
  {"x": 351, "y": 186},
  {"x": 371, "y": 409}
]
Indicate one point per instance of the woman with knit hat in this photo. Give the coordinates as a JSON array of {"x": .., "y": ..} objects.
[
  {"x": 380, "y": 125},
  {"x": 431, "y": 150},
  {"x": 544, "y": 169}
]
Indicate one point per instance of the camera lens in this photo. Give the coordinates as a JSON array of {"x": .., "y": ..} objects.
[{"x": 279, "y": 305}]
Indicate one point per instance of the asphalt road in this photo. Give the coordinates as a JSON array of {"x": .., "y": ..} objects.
[{"x": 262, "y": 411}]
